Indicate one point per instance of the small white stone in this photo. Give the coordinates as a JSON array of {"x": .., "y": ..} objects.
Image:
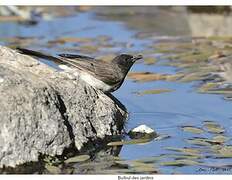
[{"x": 143, "y": 129}]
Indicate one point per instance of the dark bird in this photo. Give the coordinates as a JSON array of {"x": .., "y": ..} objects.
[{"x": 106, "y": 76}]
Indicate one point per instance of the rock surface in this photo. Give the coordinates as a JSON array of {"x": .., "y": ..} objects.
[{"x": 45, "y": 111}]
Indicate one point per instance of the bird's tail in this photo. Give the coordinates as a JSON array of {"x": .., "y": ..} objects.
[{"x": 38, "y": 54}]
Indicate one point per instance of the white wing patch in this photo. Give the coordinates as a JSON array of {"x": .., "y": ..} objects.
[
  {"x": 89, "y": 79},
  {"x": 94, "y": 82}
]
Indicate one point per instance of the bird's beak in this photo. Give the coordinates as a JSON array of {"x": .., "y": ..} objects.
[{"x": 137, "y": 57}]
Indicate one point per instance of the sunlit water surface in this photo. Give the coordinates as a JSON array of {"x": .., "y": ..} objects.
[{"x": 165, "y": 112}]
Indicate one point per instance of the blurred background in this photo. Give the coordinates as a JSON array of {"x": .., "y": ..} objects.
[{"x": 163, "y": 20}]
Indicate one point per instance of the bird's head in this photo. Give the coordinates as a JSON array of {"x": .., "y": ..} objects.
[{"x": 126, "y": 60}]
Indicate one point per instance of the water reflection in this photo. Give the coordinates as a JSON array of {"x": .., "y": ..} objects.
[
  {"x": 179, "y": 21},
  {"x": 183, "y": 114}
]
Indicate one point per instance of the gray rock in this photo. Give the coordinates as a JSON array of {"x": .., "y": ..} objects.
[{"x": 44, "y": 111}]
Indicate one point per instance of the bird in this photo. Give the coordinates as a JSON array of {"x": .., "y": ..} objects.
[{"x": 105, "y": 76}]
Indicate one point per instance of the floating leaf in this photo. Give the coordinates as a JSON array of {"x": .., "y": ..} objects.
[
  {"x": 189, "y": 151},
  {"x": 204, "y": 141},
  {"x": 216, "y": 147},
  {"x": 219, "y": 91},
  {"x": 52, "y": 169},
  {"x": 220, "y": 138},
  {"x": 133, "y": 141},
  {"x": 224, "y": 152},
  {"x": 185, "y": 156},
  {"x": 154, "y": 91},
  {"x": 138, "y": 166},
  {"x": 174, "y": 77},
  {"x": 116, "y": 171},
  {"x": 145, "y": 76},
  {"x": 149, "y": 76},
  {"x": 143, "y": 167},
  {"x": 196, "y": 76},
  {"x": 63, "y": 40},
  {"x": 149, "y": 60},
  {"x": 173, "y": 47},
  {"x": 215, "y": 141},
  {"x": 179, "y": 163},
  {"x": 198, "y": 141},
  {"x": 213, "y": 127},
  {"x": 76, "y": 159},
  {"x": 206, "y": 87},
  {"x": 195, "y": 57},
  {"x": 192, "y": 129},
  {"x": 149, "y": 159}
]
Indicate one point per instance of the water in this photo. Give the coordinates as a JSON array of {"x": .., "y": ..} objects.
[{"x": 165, "y": 112}]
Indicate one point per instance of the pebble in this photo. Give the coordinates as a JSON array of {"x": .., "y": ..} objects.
[{"x": 143, "y": 129}]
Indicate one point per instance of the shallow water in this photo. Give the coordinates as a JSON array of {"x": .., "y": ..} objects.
[{"x": 166, "y": 113}]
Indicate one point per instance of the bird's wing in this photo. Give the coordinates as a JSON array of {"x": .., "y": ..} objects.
[
  {"x": 104, "y": 71},
  {"x": 76, "y": 56}
]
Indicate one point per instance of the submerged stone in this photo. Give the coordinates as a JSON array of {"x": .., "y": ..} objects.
[{"x": 142, "y": 131}]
